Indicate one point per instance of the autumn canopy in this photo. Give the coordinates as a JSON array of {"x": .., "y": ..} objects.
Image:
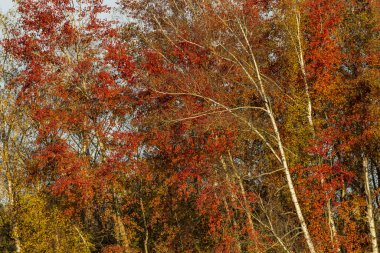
[{"x": 226, "y": 126}]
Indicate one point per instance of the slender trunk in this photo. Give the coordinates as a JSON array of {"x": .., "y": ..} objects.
[
  {"x": 246, "y": 205},
  {"x": 333, "y": 232},
  {"x": 57, "y": 245},
  {"x": 119, "y": 228},
  {"x": 375, "y": 185},
  {"x": 304, "y": 75},
  {"x": 284, "y": 162},
  {"x": 283, "y": 158},
  {"x": 296, "y": 203},
  {"x": 245, "y": 202},
  {"x": 15, "y": 229},
  {"x": 330, "y": 216},
  {"x": 15, "y": 233},
  {"x": 243, "y": 193},
  {"x": 377, "y": 167},
  {"x": 120, "y": 231},
  {"x": 370, "y": 213},
  {"x": 83, "y": 238},
  {"x": 282, "y": 243},
  {"x": 234, "y": 198},
  {"x": 145, "y": 226},
  {"x": 16, "y": 237},
  {"x": 232, "y": 221},
  {"x": 301, "y": 60}
]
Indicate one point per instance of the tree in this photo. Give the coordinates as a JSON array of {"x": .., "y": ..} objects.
[
  {"x": 234, "y": 48},
  {"x": 195, "y": 126},
  {"x": 76, "y": 78}
]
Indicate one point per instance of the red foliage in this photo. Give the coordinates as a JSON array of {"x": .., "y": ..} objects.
[{"x": 77, "y": 80}]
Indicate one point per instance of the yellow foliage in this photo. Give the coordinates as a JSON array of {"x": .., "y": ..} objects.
[{"x": 45, "y": 229}]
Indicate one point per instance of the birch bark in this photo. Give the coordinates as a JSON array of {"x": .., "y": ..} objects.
[{"x": 370, "y": 212}]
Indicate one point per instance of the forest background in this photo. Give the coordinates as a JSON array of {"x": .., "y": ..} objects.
[{"x": 190, "y": 126}]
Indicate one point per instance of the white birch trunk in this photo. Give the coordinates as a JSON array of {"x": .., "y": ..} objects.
[
  {"x": 284, "y": 162},
  {"x": 370, "y": 213},
  {"x": 145, "y": 226},
  {"x": 15, "y": 232},
  {"x": 10, "y": 192},
  {"x": 300, "y": 55}
]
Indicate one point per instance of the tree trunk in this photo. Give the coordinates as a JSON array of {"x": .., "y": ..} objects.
[
  {"x": 296, "y": 203},
  {"x": 243, "y": 193},
  {"x": 301, "y": 61},
  {"x": 285, "y": 162},
  {"x": 15, "y": 233},
  {"x": 331, "y": 222},
  {"x": 145, "y": 226},
  {"x": 119, "y": 228},
  {"x": 232, "y": 221},
  {"x": 370, "y": 213},
  {"x": 15, "y": 230},
  {"x": 16, "y": 237},
  {"x": 246, "y": 203},
  {"x": 120, "y": 232},
  {"x": 234, "y": 198}
]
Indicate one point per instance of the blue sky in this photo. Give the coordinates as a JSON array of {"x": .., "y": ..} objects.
[{"x": 5, "y": 5}]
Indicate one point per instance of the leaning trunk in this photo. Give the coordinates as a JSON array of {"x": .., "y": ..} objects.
[
  {"x": 145, "y": 226},
  {"x": 300, "y": 56},
  {"x": 284, "y": 161},
  {"x": 370, "y": 214}
]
